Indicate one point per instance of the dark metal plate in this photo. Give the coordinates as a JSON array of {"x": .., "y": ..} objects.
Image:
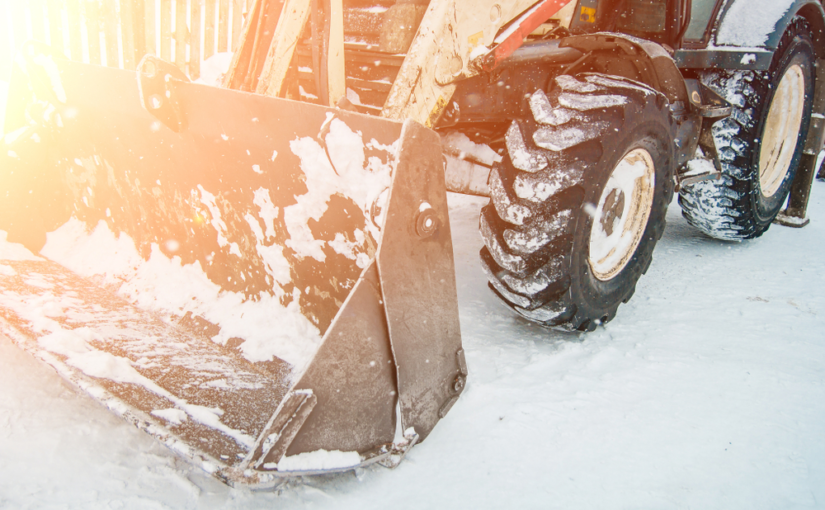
[{"x": 418, "y": 281}]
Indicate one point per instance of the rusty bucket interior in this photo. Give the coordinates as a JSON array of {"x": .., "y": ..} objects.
[{"x": 264, "y": 285}]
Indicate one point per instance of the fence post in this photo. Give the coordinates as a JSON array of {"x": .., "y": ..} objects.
[
  {"x": 55, "y": 10},
  {"x": 138, "y": 28},
  {"x": 75, "y": 42},
  {"x": 149, "y": 25},
  {"x": 110, "y": 33},
  {"x": 118, "y": 33},
  {"x": 181, "y": 34},
  {"x": 195, "y": 40},
  {"x": 166, "y": 30},
  {"x": 238, "y": 8},
  {"x": 128, "y": 32},
  {"x": 91, "y": 11},
  {"x": 18, "y": 24},
  {"x": 223, "y": 25},
  {"x": 38, "y": 14},
  {"x": 209, "y": 29}
]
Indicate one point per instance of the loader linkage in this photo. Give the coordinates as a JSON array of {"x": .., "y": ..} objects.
[{"x": 261, "y": 274}]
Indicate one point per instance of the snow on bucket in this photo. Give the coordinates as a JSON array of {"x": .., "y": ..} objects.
[{"x": 213, "y": 273}]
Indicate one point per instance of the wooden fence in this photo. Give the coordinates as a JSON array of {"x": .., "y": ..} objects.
[{"x": 118, "y": 33}]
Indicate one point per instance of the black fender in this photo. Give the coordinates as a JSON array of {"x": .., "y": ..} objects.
[
  {"x": 727, "y": 52},
  {"x": 531, "y": 66},
  {"x": 654, "y": 66}
]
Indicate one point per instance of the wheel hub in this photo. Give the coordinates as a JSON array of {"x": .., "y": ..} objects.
[
  {"x": 620, "y": 218},
  {"x": 779, "y": 138},
  {"x": 613, "y": 208}
]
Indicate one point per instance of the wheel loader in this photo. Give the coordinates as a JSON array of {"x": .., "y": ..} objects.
[{"x": 260, "y": 275}]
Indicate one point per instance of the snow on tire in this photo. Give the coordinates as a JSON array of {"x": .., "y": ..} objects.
[
  {"x": 770, "y": 109},
  {"x": 589, "y": 175}
]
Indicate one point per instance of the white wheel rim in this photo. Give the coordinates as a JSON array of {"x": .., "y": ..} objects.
[
  {"x": 779, "y": 138},
  {"x": 620, "y": 219}
]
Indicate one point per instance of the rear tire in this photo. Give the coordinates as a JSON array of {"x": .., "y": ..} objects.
[
  {"x": 598, "y": 152},
  {"x": 758, "y": 164}
]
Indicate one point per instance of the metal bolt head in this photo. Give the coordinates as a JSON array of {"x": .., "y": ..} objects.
[
  {"x": 495, "y": 13},
  {"x": 426, "y": 223},
  {"x": 149, "y": 69},
  {"x": 155, "y": 101},
  {"x": 459, "y": 384}
]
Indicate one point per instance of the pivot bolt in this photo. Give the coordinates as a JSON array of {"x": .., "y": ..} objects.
[
  {"x": 149, "y": 69},
  {"x": 426, "y": 223},
  {"x": 459, "y": 383},
  {"x": 155, "y": 101}
]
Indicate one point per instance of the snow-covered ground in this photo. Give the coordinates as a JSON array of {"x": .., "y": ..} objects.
[{"x": 707, "y": 391}]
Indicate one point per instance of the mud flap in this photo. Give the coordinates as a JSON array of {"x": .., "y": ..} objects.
[{"x": 259, "y": 283}]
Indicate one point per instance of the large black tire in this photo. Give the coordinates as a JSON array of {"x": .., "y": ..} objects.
[
  {"x": 538, "y": 224},
  {"x": 736, "y": 207}
]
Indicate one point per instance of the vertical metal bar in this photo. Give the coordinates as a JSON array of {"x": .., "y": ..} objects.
[
  {"x": 223, "y": 25},
  {"x": 795, "y": 214},
  {"x": 110, "y": 32},
  {"x": 166, "y": 30},
  {"x": 127, "y": 31},
  {"x": 75, "y": 38},
  {"x": 800, "y": 191},
  {"x": 91, "y": 11},
  {"x": 55, "y": 8},
  {"x": 181, "y": 34},
  {"x": 209, "y": 29},
  {"x": 195, "y": 40},
  {"x": 150, "y": 27}
]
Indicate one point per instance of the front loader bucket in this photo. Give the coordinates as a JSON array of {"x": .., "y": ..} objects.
[{"x": 265, "y": 286}]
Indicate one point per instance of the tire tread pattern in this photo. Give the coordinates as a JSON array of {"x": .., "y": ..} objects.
[
  {"x": 723, "y": 208},
  {"x": 537, "y": 194}
]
